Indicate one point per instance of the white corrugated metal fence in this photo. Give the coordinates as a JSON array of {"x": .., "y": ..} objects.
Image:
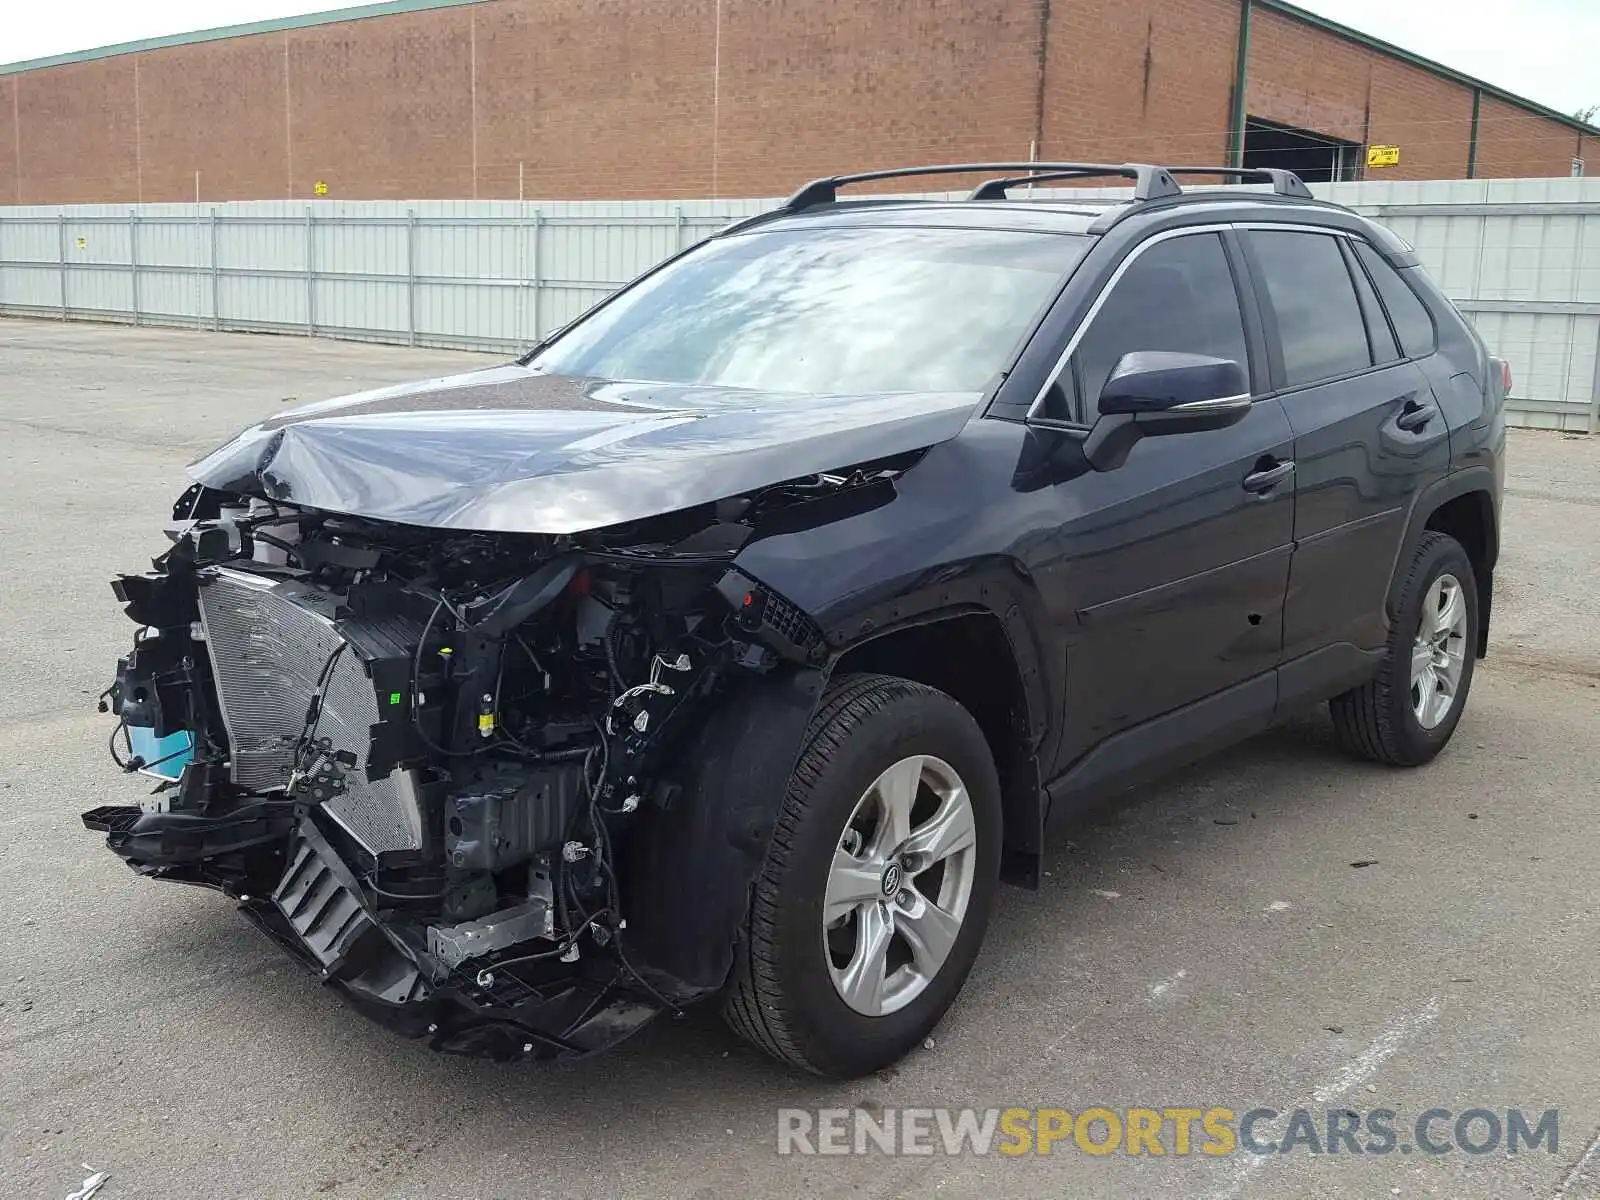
[{"x": 1520, "y": 257}]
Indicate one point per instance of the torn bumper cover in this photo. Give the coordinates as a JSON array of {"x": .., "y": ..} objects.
[{"x": 317, "y": 913}]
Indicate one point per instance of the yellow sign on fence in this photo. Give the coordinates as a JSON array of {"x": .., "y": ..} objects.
[
  {"x": 320, "y": 188},
  {"x": 1383, "y": 156}
]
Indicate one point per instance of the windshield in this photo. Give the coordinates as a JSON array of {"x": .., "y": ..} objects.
[{"x": 827, "y": 311}]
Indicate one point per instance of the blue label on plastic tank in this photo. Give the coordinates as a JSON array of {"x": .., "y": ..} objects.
[{"x": 164, "y": 757}]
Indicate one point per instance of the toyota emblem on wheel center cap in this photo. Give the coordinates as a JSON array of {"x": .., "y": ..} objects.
[{"x": 891, "y": 879}]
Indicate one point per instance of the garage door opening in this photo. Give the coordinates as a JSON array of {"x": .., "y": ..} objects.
[{"x": 1315, "y": 157}]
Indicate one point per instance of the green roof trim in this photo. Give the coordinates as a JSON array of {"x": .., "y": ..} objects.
[
  {"x": 387, "y": 8},
  {"x": 1427, "y": 64}
]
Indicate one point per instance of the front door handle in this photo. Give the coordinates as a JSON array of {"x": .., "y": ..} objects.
[
  {"x": 1269, "y": 473},
  {"x": 1416, "y": 414}
]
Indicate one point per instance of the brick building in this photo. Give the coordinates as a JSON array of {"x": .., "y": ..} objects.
[{"x": 660, "y": 98}]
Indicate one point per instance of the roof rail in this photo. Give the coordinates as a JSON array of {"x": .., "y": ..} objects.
[
  {"x": 1284, "y": 183},
  {"x": 1150, "y": 182}
]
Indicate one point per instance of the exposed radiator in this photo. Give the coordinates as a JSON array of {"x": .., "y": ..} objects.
[{"x": 270, "y": 641}]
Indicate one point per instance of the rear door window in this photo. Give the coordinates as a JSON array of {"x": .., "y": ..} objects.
[
  {"x": 1177, "y": 295},
  {"x": 1409, "y": 315},
  {"x": 1313, "y": 298}
]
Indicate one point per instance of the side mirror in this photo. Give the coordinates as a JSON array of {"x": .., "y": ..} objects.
[{"x": 1153, "y": 393}]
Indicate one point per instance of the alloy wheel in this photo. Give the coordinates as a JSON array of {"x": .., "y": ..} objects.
[
  {"x": 899, "y": 885},
  {"x": 1439, "y": 652}
]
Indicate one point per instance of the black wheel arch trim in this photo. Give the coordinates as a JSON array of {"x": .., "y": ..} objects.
[
  {"x": 1461, "y": 482},
  {"x": 915, "y": 613},
  {"x": 1023, "y": 799},
  {"x": 999, "y": 587}
]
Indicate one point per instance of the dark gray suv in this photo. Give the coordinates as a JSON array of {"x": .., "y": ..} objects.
[{"x": 734, "y": 643}]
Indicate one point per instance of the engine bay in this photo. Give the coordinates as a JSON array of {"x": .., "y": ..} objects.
[{"x": 417, "y": 757}]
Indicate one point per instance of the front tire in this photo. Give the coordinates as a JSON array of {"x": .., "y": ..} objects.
[
  {"x": 870, "y": 907},
  {"x": 1406, "y": 713}
]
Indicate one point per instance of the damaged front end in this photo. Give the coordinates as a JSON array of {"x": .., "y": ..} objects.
[{"x": 424, "y": 760}]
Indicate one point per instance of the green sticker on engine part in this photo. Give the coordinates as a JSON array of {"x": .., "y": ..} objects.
[{"x": 394, "y": 697}]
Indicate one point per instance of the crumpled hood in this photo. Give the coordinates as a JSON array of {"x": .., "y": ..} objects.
[{"x": 513, "y": 450}]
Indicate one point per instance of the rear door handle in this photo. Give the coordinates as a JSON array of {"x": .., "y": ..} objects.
[
  {"x": 1416, "y": 414},
  {"x": 1266, "y": 477}
]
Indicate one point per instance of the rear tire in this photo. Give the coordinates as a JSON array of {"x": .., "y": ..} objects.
[
  {"x": 1407, "y": 712},
  {"x": 797, "y": 990}
]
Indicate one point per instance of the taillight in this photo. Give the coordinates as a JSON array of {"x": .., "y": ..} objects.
[{"x": 1505, "y": 378}]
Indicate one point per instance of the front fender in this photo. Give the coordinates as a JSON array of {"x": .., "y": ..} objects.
[
  {"x": 967, "y": 529},
  {"x": 956, "y": 534}
]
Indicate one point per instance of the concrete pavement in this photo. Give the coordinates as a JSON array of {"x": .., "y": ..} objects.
[{"x": 1206, "y": 944}]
